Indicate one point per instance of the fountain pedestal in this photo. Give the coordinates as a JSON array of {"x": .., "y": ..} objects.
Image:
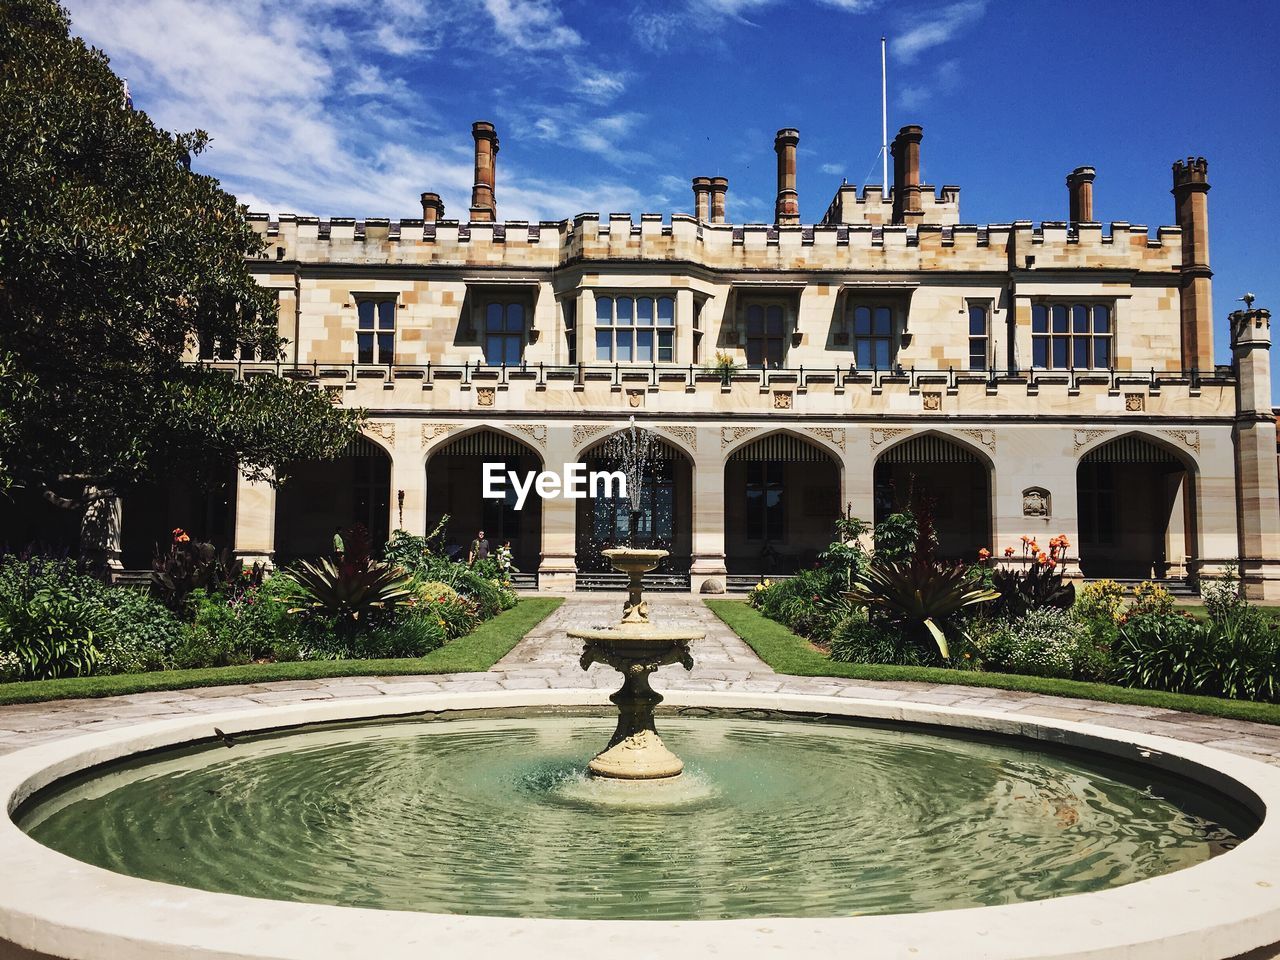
[{"x": 635, "y": 649}]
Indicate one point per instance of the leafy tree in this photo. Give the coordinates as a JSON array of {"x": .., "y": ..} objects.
[{"x": 115, "y": 261}]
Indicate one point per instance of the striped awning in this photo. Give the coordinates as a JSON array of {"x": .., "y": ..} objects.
[
  {"x": 929, "y": 448},
  {"x": 659, "y": 449},
  {"x": 781, "y": 448},
  {"x": 485, "y": 443},
  {"x": 1130, "y": 449},
  {"x": 362, "y": 446}
]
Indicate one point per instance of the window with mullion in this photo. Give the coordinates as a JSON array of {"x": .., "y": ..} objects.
[
  {"x": 635, "y": 329},
  {"x": 376, "y": 331},
  {"x": 1072, "y": 336},
  {"x": 504, "y": 325},
  {"x": 765, "y": 507},
  {"x": 766, "y": 325},
  {"x": 873, "y": 336},
  {"x": 979, "y": 335}
]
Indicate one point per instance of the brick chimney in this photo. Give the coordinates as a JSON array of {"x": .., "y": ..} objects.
[
  {"x": 719, "y": 187},
  {"x": 1190, "y": 189},
  {"x": 906, "y": 174},
  {"x": 1080, "y": 192},
  {"x": 483, "y": 205},
  {"x": 702, "y": 198},
  {"x": 432, "y": 208},
  {"x": 787, "y": 207}
]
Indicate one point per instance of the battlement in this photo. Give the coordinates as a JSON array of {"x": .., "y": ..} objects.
[
  {"x": 828, "y": 246},
  {"x": 1193, "y": 170},
  {"x": 872, "y": 208}
]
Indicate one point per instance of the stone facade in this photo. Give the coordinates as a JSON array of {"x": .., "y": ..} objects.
[{"x": 1029, "y": 422}]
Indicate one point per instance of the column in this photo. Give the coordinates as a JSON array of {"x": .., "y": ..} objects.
[
  {"x": 558, "y": 570},
  {"x": 857, "y": 481},
  {"x": 1257, "y": 485},
  {"x": 255, "y": 520},
  {"x": 408, "y": 482},
  {"x": 707, "y": 571}
]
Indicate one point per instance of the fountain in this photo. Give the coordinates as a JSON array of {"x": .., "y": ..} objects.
[{"x": 634, "y": 647}]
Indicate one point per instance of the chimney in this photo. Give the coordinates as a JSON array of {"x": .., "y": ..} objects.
[
  {"x": 432, "y": 208},
  {"x": 483, "y": 207},
  {"x": 719, "y": 187},
  {"x": 1080, "y": 192},
  {"x": 787, "y": 207},
  {"x": 906, "y": 174},
  {"x": 702, "y": 198},
  {"x": 1190, "y": 189}
]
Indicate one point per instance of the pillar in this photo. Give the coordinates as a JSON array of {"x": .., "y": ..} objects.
[
  {"x": 707, "y": 571},
  {"x": 1191, "y": 207},
  {"x": 558, "y": 569},
  {"x": 255, "y": 538},
  {"x": 1257, "y": 484},
  {"x": 409, "y": 483}
]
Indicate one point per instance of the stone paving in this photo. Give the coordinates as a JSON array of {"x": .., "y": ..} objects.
[{"x": 546, "y": 658}]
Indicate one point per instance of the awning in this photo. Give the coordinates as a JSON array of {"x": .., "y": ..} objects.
[
  {"x": 1131, "y": 449},
  {"x": 781, "y": 448},
  {"x": 930, "y": 448},
  {"x": 485, "y": 443}
]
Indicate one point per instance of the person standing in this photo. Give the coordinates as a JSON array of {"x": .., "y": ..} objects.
[
  {"x": 479, "y": 549},
  {"x": 339, "y": 547},
  {"x": 503, "y": 556}
]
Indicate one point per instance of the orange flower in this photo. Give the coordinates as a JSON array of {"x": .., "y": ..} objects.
[
  {"x": 1025, "y": 538},
  {"x": 1043, "y": 559},
  {"x": 984, "y": 554},
  {"x": 1033, "y": 547},
  {"x": 1008, "y": 551}
]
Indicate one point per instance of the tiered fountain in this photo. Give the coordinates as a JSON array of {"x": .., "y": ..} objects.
[{"x": 634, "y": 647}]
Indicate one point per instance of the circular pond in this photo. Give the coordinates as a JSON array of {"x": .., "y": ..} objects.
[{"x": 492, "y": 815}]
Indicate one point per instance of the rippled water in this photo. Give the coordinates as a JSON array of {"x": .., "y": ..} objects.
[{"x": 773, "y": 818}]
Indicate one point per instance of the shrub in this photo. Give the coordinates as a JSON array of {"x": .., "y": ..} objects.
[
  {"x": 1101, "y": 601},
  {"x": 135, "y": 632},
  {"x": 855, "y": 639},
  {"x": 1044, "y": 642},
  {"x": 1150, "y": 599},
  {"x": 407, "y": 634},
  {"x": 455, "y": 614},
  {"x": 1162, "y": 651},
  {"x": 351, "y": 590},
  {"x": 47, "y": 619}
]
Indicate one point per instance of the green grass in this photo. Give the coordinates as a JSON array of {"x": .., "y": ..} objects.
[
  {"x": 787, "y": 653},
  {"x": 477, "y": 651}
]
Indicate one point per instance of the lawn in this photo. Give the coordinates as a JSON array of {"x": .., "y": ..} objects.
[
  {"x": 477, "y": 651},
  {"x": 790, "y": 654}
]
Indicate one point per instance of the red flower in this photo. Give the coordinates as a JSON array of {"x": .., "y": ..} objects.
[
  {"x": 1033, "y": 547},
  {"x": 984, "y": 554},
  {"x": 1008, "y": 551},
  {"x": 1043, "y": 559}
]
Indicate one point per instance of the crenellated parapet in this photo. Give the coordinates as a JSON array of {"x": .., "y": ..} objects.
[
  {"x": 828, "y": 246},
  {"x": 873, "y": 208}
]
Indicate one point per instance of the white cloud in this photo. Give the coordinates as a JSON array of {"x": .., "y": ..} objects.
[
  {"x": 833, "y": 169},
  {"x": 945, "y": 78},
  {"x": 935, "y": 28},
  {"x": 600, "y": 85},
  {"x": 532, "y": 24},
  {"x": 851, "y": 6}
]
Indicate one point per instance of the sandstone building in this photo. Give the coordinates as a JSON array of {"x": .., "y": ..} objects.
[{"x": 1029, "y": 378}]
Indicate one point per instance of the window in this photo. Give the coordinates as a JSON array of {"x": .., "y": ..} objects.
[
  {"x": 872, "y": 337},
  {"x": 569, "y": 307},
  {"x": 1071, "y": 336},
  {"x": 1097, "y": 503},
  {"x": 697, "y": 330},
  {"x": 766, "y": 335},
  {"x": 376, "y": 331},
  {"x": 635, "y": 329},
  {"x": 979, "y": 335},
  {"x": 504, "y": 332},
  {"x": 764, "y": 500}
]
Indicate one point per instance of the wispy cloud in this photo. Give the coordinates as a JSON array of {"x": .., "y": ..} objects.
[
  {"x": 851, "y": 6},
  {"x": 934, "y": 28},
  {"x": 833, "y": 169},
  {"x": 532, "y": 24},
  {"x": 943, "y": 79},
  {"x": 691, "y": 21}
]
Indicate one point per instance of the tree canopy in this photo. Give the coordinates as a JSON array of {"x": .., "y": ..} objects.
[{"x": 115, "y": 260}]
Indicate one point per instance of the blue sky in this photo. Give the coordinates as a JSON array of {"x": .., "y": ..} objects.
[{"x": 354, "y": 107}]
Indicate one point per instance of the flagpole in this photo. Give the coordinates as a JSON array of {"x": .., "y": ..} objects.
[{"x": 884, "y": 119}]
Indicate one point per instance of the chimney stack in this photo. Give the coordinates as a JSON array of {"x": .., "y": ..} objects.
[
  {"x": 1191, "y": 207},
  {"x": 719, "y": 187},
  {"x": 1080, "y": 192},
  {"x": 702, "y": 198},
  {"x": 786, "y": 210},
  {"x": 483, "y": 206},
  {"x": 906, "y": 174},
  {"x": 432, "y": 208}
]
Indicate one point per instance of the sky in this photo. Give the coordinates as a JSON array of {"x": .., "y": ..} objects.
[{"x": 354, "y": 107}]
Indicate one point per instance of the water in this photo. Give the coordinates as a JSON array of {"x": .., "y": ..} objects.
[{"x": 773, "y": 818}]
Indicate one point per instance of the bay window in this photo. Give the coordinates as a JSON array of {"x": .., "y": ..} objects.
[
  {"x": 1072, "y": 336},
  {"x": 635, "y": 329}
]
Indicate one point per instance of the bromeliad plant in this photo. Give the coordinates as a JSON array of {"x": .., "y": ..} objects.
[
  {"x": 920, "y": 596},
  {"x": 351, "y": 590}
]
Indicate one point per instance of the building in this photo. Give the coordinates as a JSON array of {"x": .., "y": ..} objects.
[{"x": 1027, "y": 379}]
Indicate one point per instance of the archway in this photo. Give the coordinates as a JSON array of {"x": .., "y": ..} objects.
[
  {"x": 319, "y": 495},
  {"x": 781, "y": 502},
  {"x": 202, "y": 506},
  {"x": 934, "y": 472},
  {"x": 666, "y": 508},
  {"x": 1137, "y": 510},
  {"x": 455, "y": 488}
]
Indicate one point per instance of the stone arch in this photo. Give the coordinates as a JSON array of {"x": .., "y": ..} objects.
[
  {"x": 1137, "y": 503},
  {"x": 937, "y": 470},
  {"x": 318, "y": 496},
  {"x": 454, "y": 469},
  {"x": 826, "y": 446},
  {"x": 782, "y": 496}
]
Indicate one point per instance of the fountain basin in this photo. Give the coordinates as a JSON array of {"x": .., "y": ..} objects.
[{"x": 1217, "y": 909}]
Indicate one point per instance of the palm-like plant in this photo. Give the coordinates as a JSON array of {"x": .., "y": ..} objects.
[
  {"x": 348, "y": 592},
  {"x": 919, "y": 595}
]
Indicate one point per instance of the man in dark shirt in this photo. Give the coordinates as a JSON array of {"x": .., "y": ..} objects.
[{"x": 479, "y": 548}]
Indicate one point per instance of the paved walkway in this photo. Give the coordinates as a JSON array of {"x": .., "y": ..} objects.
[{"x": 547, "y": 658}]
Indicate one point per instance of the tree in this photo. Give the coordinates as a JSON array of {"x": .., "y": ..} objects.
[{"x": 115, "y": 261}]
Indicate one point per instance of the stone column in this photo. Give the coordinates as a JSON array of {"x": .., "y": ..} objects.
[
  {"x": 1191, "y": 207},
  {"x": 557, "y": 572},
  {"x": 255, "y": 521},
  {"x": 684, "y": 327},
  {"x": 100, "y": 530},
  {"x": 408, "y": 481},
  {"x": 1257, "y": 485},
  {"x": 857, "y": 480},
  {"x": 707, "y": 572}
]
